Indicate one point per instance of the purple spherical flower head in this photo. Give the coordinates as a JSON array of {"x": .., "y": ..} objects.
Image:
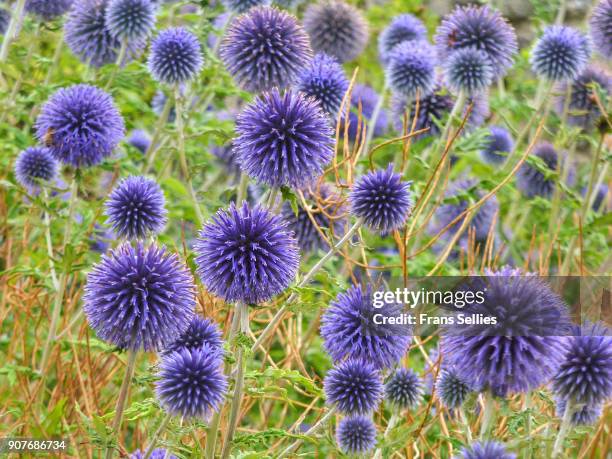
[
  {"x": 486, "y": 450},
  {"x": 136, "y": 208},
  {"x": 140, "y": 140},
  {"x": 35, "y": 165},
  {"x": 158, "y": 453},
  {"x": 175, "y": 57},
  {"x": 481, "y": 28},
  {"x": 191, "y": 382},
  {"x": 523, "y": 349},
  {"x": 139, "y": 297},
  {"x": 583, "y": 109},
  {"x": 336, "y": 28},
  {"x": 200, "y": 332},
  {"x": 560, "y": 54},
  {"x": 80, "y": 125},
  {"x": 402, "y": 28},
  {"x": 381, "y": 199},
  {"x": 356, "y": 434},
  {"x": 432, "y": 109},
  {"x": 87, "y": 35},
  {"x": 451, "y": 389},
  {"x": 601, "y": 27},
  {"x": 404, "y": 389},
  {"x": 411, "y": 69},
  {"x": 468, "y": 70},
  {"x": 246, "y": 254},
  {"x": 242, "y": 6},
  {"x": 324, "y": 80},
  {"x": 354, "y": 386},
  {"x": 48, "y": 9},
  {"x": 582, "y": 416},
  {"x": 530, "y": 180},
  {"x": 348, "y": 330},
  {"x": 265, "y": 48},
  {"x": 284, "y": 139},
  {"x": 130, "y": 19},
  {"x": 364, "y": 101},
  {"x": 498, "y": 145},
  {"x": 585, "y": 375}
]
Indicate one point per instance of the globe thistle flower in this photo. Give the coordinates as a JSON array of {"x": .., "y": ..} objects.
[
  {"x": 139, "y": 297},
  {"x": 175, "y": 56},
  {"x": 136, "y": 208},
  {"x": 324, "y": 80},
  {"x": 336, "y": 28},
  {"x": 364, "y": 101},
  {"x": 33, "y": 165},
  {"x": 265, "y": 48},
  {"x": 411, "y": 69},
  {"x": 328, "y": 215},
  {"x": 468, "y": 70},
  {"x": 481, "y": 28},
  {"x": 158, "y": 453},
  {"x": 583, "y": 110},
  {"x": 533, "y": 182},
  {"x": 523, "y": 349},
  {"x": 88, "y": 37},
  {"x": 560, "y": 54},
  {"x": 404, "y": 389},
  {"x": 201, "y": 332},
  {"x": 241, "y": 6},
  {"x": 191, "y": 382},
  {"x": 140, "y": 140},
  {"x": 451, "y": 389},
  {"x": 600, "y": 26},
  {"x": 158, "y": 102},
  {"x": 80, "y": 125},
  {"x": 584, "y": 415},
  {"x": 246, "y": 254},
  {"x": 48, "y": 9},
  {"x": 381, "y": 199},
  {"x": 432, "y": 108},
  {"x": 354, "y": 386},
  {"x": 585, "y": 374},
  {"x": 498, "y": 145},
  {"x": 283, "y": 139},
  {"x": 348, "y": 330},
  {"x": 486, "y": 450},
  {"x": 130, "y": 19},
  {"x": 356, "y": 435},
  {"x": 402, "y": 28}
]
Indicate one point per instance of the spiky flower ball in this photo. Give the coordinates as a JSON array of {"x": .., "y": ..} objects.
[
  {"x": 526, "y": 345},
  {"x": 35, "y": 165},
  {"x": 481, "y": 28},
  {"x": 265, "y": 48},
  {"x": 498, "y": 145},
  {"x": 601, "y": 27},
  {"x": 432, "y": 109},
  {"x": 140, "y": 140},
  {"x": 468, "y": 70},
  {"x": 356, "y": 435},
  {"x": 411, "y": 69},
  {"x": 336, "y": 28},
  {"x": 364, "y": 101},
  {"x": 191, "y": 382},
  {"x": 139, "y": 297},
  {"x": 241, "y": 6},
  {"x": 136, "y": 208},
  {"x": 175, "y": 57},
  {"x": 87, "y": 35},
  {"x": 583, "y": 415},
  {"x": 402, "y": 28},
  {"x": 404, "y": 389},
  {"x": 560, "y": 54},
  {"x": 354, "y": 386},
  {"x": 381, "y": 199},
  {"x": 582, "y": 106},
  {"x": 452, "y": 390},
  {"x": 531, "y": 180},
  {"x": 585, "y": 375},
  {"x": 348, "y": 330},
  {"x": 158, "y": 453},
  {"x": 48, "y": 9},
  {"x": 80, "y": 125},
  {"x": 324, "y": 80},
  {"x": 130, "y": 19},
  {"x": 246, "y": 254},
  {"x": 283, "y": 139},
  {"x": 200, "y": 332},
  {"x": 486, "y": 450}
]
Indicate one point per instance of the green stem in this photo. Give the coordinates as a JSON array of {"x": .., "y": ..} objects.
[
  {"x": 242, "y": 188},
  {"x": 565, "y": 424},
  {"x": 466, "y": 425},
  {"x": 440, "y": 145},
  {"x": 392, "y": 422},
  {"x": 13, "y": 26},
  {"x": 272, "y": 198},
  {"x": 487, "y": 415},
  {"x": 118, "y": 62},
  {"x": 48, "y": 240},
  {"x": 314, "y": 429},
  {"x": 371, "y": 123},
  {"x": 159, "y": 127},
  {"x": 158, "y": 432}
]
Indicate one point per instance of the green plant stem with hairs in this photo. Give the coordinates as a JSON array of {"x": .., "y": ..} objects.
[
  {"x": 155, "y": 437},
  {"x": 488, "y": 414},
  {"x": 565, "y": 424}
]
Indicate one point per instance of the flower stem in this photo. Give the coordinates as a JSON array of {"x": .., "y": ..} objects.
[
  {"x": 440, "y": 145},
  {"x": 305, "y": 280},
  {"x": 466, "y": 425},
  {"x": 242, "y": 188},
  {"x": 120, "y": 59},
  {"x": 49, "y": 241},
  {"x": 314, "y": 429},
  {"x": 565, "y": 423},
  {"x": 392, "y": 421},
  {"x": 13, "y": 26},
  {"x": 374, "y": 118},
  {"x": 158, "y": 432},
  {"x": 487, "y": 415},
  {"x": 159, "y": 127},
  {"x": 121, "y": 399}
]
